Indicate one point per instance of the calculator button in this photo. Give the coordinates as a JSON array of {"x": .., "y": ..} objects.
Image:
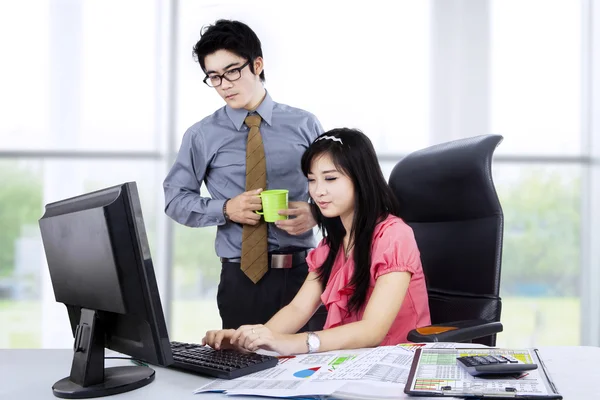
[
  {"x": 500, "y": 359},
  {"x": 510, "y": 359},
  {"x": 491, "y": 360},
  {"x": 468, "y": 361},
  {"x": 481, "y": 360}
]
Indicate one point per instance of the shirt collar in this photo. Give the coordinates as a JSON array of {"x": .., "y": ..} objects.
[{"x": 264, "y": 109}]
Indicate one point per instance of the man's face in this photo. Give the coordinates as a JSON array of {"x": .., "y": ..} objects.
[{"x": 244, "y": 92}]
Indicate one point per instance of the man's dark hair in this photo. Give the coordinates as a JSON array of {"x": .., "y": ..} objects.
[
  {"x": 353, "y": 154},
  {"x": 233, "y": 36}
]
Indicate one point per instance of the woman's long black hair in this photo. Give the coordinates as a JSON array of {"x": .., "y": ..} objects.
[{"x": 353, "y": 154}]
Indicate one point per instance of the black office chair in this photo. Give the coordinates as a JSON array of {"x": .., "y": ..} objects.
[{"x": 447, "y": 196}]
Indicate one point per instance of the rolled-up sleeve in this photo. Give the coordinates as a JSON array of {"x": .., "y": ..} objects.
[{"x": 183, "y": 202}]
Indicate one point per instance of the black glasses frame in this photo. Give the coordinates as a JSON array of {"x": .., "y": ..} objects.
[{"x": 222, "y": 76}]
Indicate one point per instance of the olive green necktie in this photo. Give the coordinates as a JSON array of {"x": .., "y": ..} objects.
[{"x": 254, "y": 237}]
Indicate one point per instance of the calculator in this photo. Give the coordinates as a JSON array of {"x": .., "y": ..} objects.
[{"x": 493, "y": 365}]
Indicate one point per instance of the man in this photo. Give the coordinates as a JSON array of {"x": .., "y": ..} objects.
[{"x": 249, "y": 145}]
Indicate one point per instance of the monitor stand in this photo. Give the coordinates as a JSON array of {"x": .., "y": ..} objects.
[{"x": 88, "y": 377}]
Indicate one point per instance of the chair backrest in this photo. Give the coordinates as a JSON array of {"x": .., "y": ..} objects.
[{"x": 447, "y": 196}]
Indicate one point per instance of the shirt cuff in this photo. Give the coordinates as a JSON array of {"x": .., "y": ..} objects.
[{"x": 215, "y": 211}]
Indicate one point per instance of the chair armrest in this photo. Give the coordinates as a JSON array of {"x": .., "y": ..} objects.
[{"x": 457, "y": 331}]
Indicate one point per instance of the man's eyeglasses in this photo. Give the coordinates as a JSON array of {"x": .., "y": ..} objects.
[{"x": 231, "y": 75}]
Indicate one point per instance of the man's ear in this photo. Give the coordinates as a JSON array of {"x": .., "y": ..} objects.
[{"x": 259, "y": 65}]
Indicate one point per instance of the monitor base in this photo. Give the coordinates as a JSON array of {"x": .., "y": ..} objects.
[{"x": 116, "y": 380}]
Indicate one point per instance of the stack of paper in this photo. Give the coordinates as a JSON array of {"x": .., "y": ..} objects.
[
  {"x": 351, "y": 373},
  {"x": 293, "y": 376}
]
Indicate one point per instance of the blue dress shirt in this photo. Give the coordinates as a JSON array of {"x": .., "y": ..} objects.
[{"x": 213, "y": 151}]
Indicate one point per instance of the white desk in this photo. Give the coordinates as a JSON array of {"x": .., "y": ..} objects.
[{"x": 30, "y": 374}]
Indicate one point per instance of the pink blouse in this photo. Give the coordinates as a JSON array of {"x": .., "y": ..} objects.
[{"x": 394, "y": 249}]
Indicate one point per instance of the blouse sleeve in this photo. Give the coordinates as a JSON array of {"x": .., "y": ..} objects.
[
  {"x": 395, "y": 250},
  {"x": 317, "y": 256}
]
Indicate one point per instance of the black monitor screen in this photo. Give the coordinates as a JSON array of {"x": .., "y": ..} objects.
[{"x": 100, "y": 265}]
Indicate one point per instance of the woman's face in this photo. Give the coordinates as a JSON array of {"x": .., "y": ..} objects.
[{"x": 331, "y": 189}]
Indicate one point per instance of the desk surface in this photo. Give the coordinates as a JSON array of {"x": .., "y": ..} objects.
[{"x": 29, "y": 374}]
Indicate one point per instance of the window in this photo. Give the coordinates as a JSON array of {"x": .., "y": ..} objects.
[
  {"x": 535, "y": 104},
  {"x": 536, "y": 76},
  {"x": 78, "y": 88},
  {"x": 83, "y": 108},
  {"x": 541, "y": 253}
]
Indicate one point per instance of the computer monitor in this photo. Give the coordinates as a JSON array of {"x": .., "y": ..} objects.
[{"x": 101, "y": 269}]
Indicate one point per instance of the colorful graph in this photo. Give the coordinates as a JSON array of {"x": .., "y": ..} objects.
[
  {"x": 336, "y": 362},
  {"x": 306, "y": 373}
]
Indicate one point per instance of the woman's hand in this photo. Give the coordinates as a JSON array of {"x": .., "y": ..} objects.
[
  {"x": 219, "y": 339},
  {"x": 254, "y": 337}
]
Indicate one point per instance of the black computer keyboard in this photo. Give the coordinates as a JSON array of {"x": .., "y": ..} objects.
[{"x": 224, "y": 364}]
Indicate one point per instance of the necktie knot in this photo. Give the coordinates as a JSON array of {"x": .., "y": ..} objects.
[{"x": 252, "y": 120}]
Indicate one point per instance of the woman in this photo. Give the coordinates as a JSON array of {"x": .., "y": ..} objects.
[{"x": 366, "y": 270}]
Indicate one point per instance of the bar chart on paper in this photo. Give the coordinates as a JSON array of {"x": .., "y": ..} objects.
[{"x": 339, "y": 361}]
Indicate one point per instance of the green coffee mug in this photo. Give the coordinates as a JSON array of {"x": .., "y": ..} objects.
[{"x": 272, "y": 202}]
